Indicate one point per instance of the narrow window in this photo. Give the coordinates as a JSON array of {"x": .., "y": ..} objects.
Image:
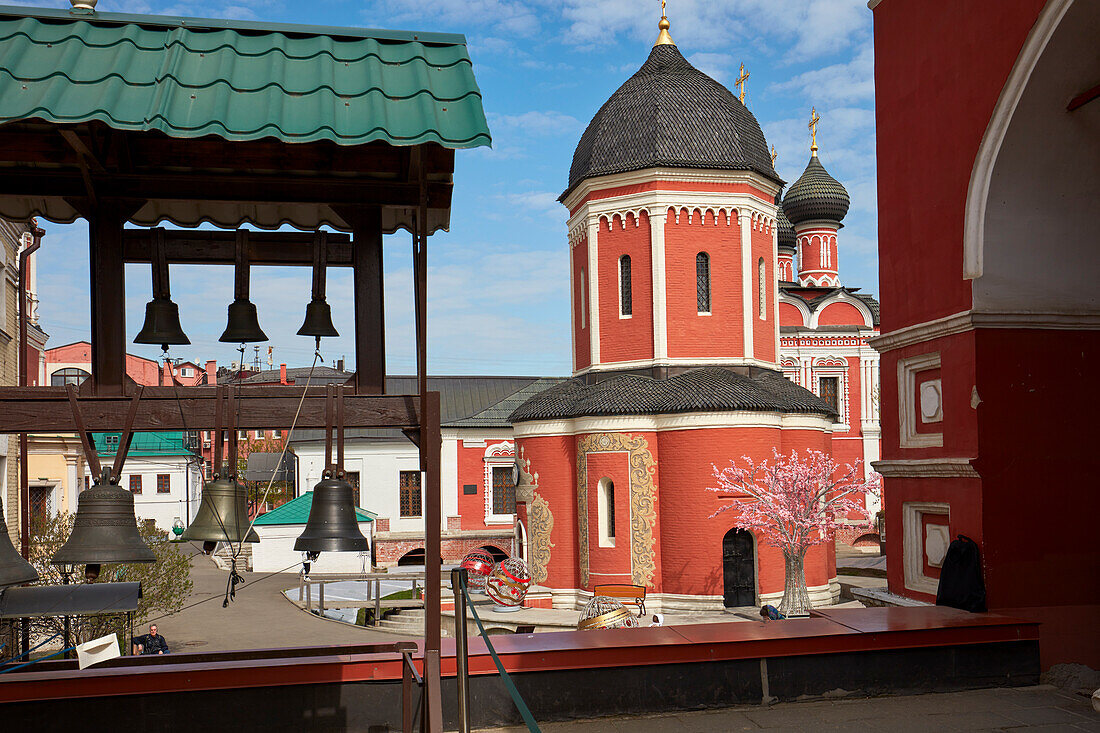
[
  {"x": 163, "y": 484},
  {"x": 829, "y": 389},
  {"x": 135, "y": 484},
  {"x": 626, "y": 307},
  {"x": 409, "y": 483},
  {"x": 702, "y": 281},
  {"x": 353, "y": 479},
  {"x": 605, "y": 511},
  {"x": 584, "y": 287},
  {"x": 762, "y": 295},
  {"x": 504, "y": 491}
]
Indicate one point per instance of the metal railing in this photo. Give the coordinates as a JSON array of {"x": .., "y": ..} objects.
[{"x": 374, "y": 591}]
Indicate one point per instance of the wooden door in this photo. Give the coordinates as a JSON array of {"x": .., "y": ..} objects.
[{"x": 738, "y": 569}]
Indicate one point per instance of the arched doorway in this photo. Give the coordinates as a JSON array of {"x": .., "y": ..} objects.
[{"x": 738, "y": 569}]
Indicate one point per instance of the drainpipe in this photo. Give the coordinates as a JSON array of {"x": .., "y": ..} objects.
[{"x": 24, "y": 479}]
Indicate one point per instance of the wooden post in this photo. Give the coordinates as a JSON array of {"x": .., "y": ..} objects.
[
  {"x": 370, "y": 330},
  {"x": 430, "y": 448},
  {"x": 106, "y": 264}
]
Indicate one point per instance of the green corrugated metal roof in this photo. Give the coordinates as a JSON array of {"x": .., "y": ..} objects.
[
  {"x": 190, "y": 77},
  {"x": 296, "y": 511},
  {"x": 143, "y": 444}
]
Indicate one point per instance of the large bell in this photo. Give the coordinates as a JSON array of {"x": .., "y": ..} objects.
[
  {"x": 244, "y": 324},
  {"x": 318, "y": 321},
  {"x": 14, "y": 570},
  {"x": 222, "y": 515},
  {"x": 104, "y": 530},
  {"x": 162, "y": 324},
  {"x": 332, "y": 525}
]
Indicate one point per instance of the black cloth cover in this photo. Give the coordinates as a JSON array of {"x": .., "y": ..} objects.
[{"x": 961, "y": 582}]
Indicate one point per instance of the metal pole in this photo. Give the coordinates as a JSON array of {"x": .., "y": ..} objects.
[
  {"x": 462, "y": 652},
  {"x": 66, "y": 636}
]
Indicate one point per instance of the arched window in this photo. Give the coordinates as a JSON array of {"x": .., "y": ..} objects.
[
  {"x": 584, "y": 287},
  {"x": 762, "y": 285},
  {"x": 68, "y": 376},
  {"x": 605, "y": 509},
  {"x": 702, "y": 281},
  {"x": 626, "y": 307}
]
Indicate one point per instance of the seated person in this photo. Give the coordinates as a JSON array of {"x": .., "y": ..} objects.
[
  {"x": 770, "y": 613},
  {"x": 151, "y": 643}
]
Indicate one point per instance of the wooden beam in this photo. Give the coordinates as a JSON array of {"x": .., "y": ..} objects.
[
  {"x": 108, "y": 294},
  {"x": 47, "y": 409},
  {"x": 28, "y": 181},
  {"x": 370, "y": 316},
  {"x": 202, "y": 247}
]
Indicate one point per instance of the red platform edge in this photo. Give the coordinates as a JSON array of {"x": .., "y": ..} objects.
[{"x": 826, "y": 632}]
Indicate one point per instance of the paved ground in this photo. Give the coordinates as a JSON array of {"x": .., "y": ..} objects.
[
  {"x": 260, "y": 617},
  {"x": 1031, "y": 709}
]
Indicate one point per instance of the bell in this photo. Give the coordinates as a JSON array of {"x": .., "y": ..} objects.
[
  {"x": 318, "y": 321},
  {"x": 162, "y": 324},
  {"x": 244, "y": 325},
  {"x": 14, "y": 570},
  {"x": 104, "y": 530},
  {"x": 222, "y": 515},
  {"x": 332, "y": 525}
]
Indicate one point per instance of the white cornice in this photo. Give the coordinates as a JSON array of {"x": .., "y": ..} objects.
[
  {"x": 970, "y": 320},
  {"x": 740, "y": 419},
  {"x": 673, "y": 362},
  {"x": 670, "y": 175},
  {"x": 926, "y": 468}
]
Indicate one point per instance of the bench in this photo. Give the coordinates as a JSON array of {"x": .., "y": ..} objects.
[{"x": 626, "y": 593}]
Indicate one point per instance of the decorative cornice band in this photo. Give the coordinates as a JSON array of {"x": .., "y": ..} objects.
[
  {"x": 739, "y": 419},
  {"x": 669, "y": 175},
  {"x": 971, "y": 320},
  {"x": 926, "y": 468}
]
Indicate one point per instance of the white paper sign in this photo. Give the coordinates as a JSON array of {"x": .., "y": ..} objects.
[{"x": 97, "y": 650}]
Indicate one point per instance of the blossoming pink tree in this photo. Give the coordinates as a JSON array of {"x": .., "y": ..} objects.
[{"x": 794, "y": 502}]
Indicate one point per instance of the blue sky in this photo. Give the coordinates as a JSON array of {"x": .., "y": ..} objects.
[{"x": 498, "y": 281}]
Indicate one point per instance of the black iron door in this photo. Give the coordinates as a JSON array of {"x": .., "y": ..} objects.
[{"x": 738, "y": 569}]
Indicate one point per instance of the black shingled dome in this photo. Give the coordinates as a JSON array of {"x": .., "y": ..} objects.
[
  {"x": 706, "y": 389},
  {"x": 670, "y": 114},
  {"x": 815, "y": 195},
  {"x": 784, "y": 229}
]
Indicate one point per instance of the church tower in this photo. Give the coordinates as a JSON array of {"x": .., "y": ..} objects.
[
  {"x": 672, "y": 203},
  {"x": 815, "y": 204}
]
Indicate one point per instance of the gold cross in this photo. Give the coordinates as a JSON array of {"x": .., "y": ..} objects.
[
  {"x": 741, "y": 83},
  {"x": 775, "y": 155},
  {"x": 814, "y": 119},
  {"x": 663, "y": 8}
]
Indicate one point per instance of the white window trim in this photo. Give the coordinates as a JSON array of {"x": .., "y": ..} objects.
[
  {"x": 497, "y": 455},
  {"x": 908, "y": 408},
  {"x": 841, "y": 391},
  {"x": 912, "y": 524},
  {"x": 601, "y": 511},
  {"x": 762, "y": 289}
]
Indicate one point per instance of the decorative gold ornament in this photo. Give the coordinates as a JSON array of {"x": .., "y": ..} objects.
[
  {"x": 775, "y": 155},
  {"x": 663, "y": 38},
  {"x": 540, "y": 520},
  {"x": 814, "y": 119},
  {"x": 741, "y": 84},
  {"x": 643, "y": 505},
  {"x": 606, "y": 613}
]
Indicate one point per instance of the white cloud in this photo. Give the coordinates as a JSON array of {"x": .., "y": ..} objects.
[
  {"x": 847, "y": 82},
  {"x": 504, "y": 17},
  {"x": 536, "y": 123},
  {"x": 715, "y": 65}
]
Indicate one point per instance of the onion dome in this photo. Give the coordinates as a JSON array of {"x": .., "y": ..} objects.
[
  {"x": 815, "y": 195},
  {"x": 784, "y": 230},
  {"x": 670, "y": 114}
]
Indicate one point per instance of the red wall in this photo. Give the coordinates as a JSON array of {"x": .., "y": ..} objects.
[
  {"x": 691, "y": 335},
  {"x": 626, "y": 339},
  {"x": 928, "y": 126},
  {"x": 764, "y": 343},
  {"x": 840, "y": 314},
  {"x": 553, "y": 458},
  {"x": 582, "y": 344},
  {"x": 789, "y": 315},
  {"x": 471, "y": 470}
]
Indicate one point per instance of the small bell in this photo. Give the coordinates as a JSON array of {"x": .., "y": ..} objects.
[
  {"x": 14, "y": 570},
  {"x": 244, "y": 325},
  {"x": 104, "y": 530},
  {"x": 318, "y": 321},
  {"x": 222, "y": 516},
  {"x": 162, "y": 316},
  {"x": 332, "y": 525}
]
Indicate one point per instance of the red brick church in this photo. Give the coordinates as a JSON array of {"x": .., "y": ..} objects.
[{"x": 695, "y": 340}]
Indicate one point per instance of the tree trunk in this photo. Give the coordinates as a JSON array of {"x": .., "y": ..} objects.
[{"x": 796, "y": 599}]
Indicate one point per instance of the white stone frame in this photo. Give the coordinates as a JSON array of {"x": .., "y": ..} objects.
[
  {"x": 912, "y": 551},
  {"x": 908, "y": 409},
  {"x": 821, "y": 368},
  {"x": 497, "y": 455},
  {"x": 605, "y": 539}
]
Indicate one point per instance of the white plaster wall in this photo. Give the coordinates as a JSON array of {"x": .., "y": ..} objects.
[
  {"x": 275, "y": 552},
  {"x": 183, "y": 479}
]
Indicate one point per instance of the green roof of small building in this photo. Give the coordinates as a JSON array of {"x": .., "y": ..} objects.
[
  {"x": 143, "y": 444},
  {"x": 189, "y": 77},
  {"x": 296, "y": 511}
]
